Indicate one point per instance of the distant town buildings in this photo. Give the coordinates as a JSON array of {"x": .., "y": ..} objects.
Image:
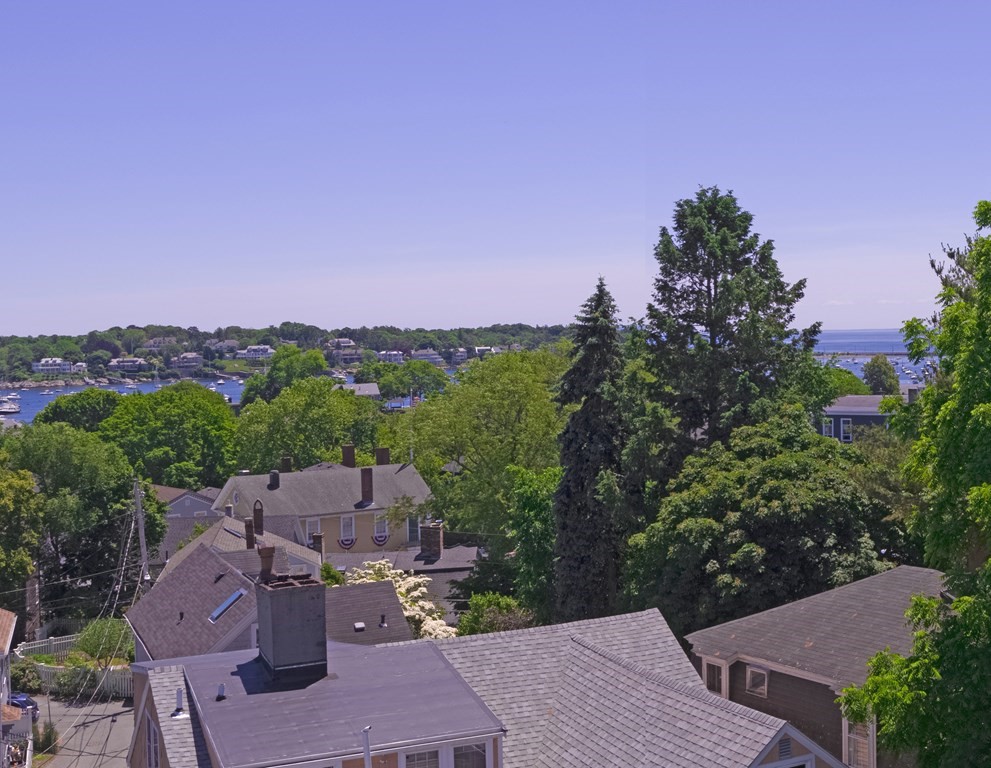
[
  {"x": 391, "y": 356},
  {"x": 160, "y": 342},
  {"x": 429, "y": 356},
  {"x": 56, "y": 365},
  {"x": 128, "y": 364},
  {"x": 255, "y": 352},
  {"x": 188, "y": 360},
  {"x": 344, "y": 351},
  {"x": 459, "y": 355},
  {"x": 226, "y": 346}
]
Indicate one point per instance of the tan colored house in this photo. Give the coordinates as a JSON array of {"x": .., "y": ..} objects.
[{"x": 348, "y": 505}]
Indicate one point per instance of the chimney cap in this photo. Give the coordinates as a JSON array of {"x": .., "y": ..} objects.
[{"x": 359, "y": 626}]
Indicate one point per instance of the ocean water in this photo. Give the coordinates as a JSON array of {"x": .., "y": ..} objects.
[
  {"x": 867, "y": 341},
  {"x": 32, "y": 401}
]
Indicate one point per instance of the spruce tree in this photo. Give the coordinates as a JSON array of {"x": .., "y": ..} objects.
[{"x": 588, "y": 538}]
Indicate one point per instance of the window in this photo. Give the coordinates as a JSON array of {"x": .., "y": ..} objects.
[
  {"x": 858, "y": 746},
  {"x": 151, "y": 742},
  {"x": 827, "y": 427},
  {"x": 347, "y": 527},
  {"x": 312, "y": 526},
  {"x": 413, "y": 529},
  {"x": 381, "y": 526},
  {"x": 757, "y": 681},
  {"x": 423, "y": 760},
  {"x": 714, "y": 674},
  {"x": 846, "y": 430},
  {"x": 470, "y": 756},
  {"x": 226, "y": 606}
]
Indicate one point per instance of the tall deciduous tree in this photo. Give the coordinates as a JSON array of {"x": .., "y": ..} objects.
[
  {"x": 588, "y": 535},
  {"x": 880, "y": 376},
  {"x": 532, "y": 532},
  {"x": 770, "y": 517},
  {"x": 720, "y": 338},
  {"x": 84, "y": 410},
  {"x": 288, "y": 365}
]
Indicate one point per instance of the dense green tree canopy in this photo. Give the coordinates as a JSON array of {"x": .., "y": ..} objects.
[
  {"x": 587, "y": 533},
  {"x": 20, "y": 533},
  {"x": 306, "y": 422},
  {"x": 719, "y": 322},
  {"x": 84, "y": 410},
  {"x": 532, "y": 536},
  {"x": 416, "y": 376},
  {"x": 844, "y": 382},
  {"x": 499, "y": 412},
  {"x": 492, "y": 612},
  {"x": 880, "y": 376},
  {"x": 288, "y": 365},
  {"x": 182, "y": 432},
  {"x": 769, "y": 518}
]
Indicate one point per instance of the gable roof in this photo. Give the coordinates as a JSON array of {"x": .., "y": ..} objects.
[
  {"x": 173, "y": 619},
  {"x": 168, "y": 493},
  {"x": 7, "y": 622},
  {"x": 366, "y": 603},
  {"x": 654, "y": 720},
  {"x": 830, "y": 635},
  {"x": 227, "y": 535},
  {"x": 182, "y": 736},
  {"x": 519, "y": 674},
  {"x": 265, "y": 723},
  {"x": 855, "y": 405},
  {"x": 330, "y": 491}
]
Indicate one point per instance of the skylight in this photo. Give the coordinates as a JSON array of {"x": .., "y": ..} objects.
[{"x": 226, "y": 605}]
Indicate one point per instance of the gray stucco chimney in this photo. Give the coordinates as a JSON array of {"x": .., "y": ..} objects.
[
  {"x": 292, "y": 628},
  {"x": 366, "y": 485},
  {"x": 318, "y": 543}
]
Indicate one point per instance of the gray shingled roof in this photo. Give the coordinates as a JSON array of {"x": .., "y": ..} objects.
[
  {"x": 519, "y": 674},
  {"x": 608, "y": 710},
  {"x": 855, "y": 405},
  {"x": 227, "y": 535},
  {"x": 260, "y": 723},
  {"x": 366, "y": 603},
  {"x": 331, "y": 491},
  {"x": 182, "y": 736},
  {"x": 832, "y": 634},
  {"x": 196, "y": 590}
]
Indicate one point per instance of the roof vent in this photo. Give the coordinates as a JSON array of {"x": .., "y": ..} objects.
[
  {"x": 359, "y": 626},
  {"x": 784, "y": 748},
  {"x": 382, "y": 623},
  {"x": 221, "y": 692}
]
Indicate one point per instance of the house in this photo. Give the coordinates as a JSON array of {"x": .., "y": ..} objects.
[
  {"x": 792, "y": 661},
  {"x": 481, "y": 352},
  {"x": 159, "y": 343},
  {"x": 128, "y": 364},
  {"x": 429, "y": 356},
  {"x": 344, "y": 352},
  {"x": 348, "y": 505},
  {"x": 369, "y": 389},
  {"x": 15, "y": 723},
  {"x": 391, "y": 356},
  {"x": 207, "y": 604},
  {"x": 300, "y": 699},
  {"x": 226, "y": 346},
  {"x": 183, "y": 502},
  {"x": 851, "y": 411},
  {"x": 188, "y": 360},
  {"x": 445, "y": 566},
  {"x": 459, "y": 356},
  {"x": 255, "y": 352},
  {"x": 603, "y": 692},
  {"x": 53, "y": 366}
]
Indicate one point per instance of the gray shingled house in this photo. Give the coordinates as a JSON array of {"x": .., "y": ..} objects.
[
  {"x": 792, "y": 661},
  {"x": 606, "y": 692},
  {"x": 850, "y": 411},
  {"x": 206, "y": 604}
]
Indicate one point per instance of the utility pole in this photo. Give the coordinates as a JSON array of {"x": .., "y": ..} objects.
[{"x": 139, "y": 513}]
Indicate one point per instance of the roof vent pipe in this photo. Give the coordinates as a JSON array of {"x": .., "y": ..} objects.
[
  {"x": 382, "y": 623},
  {"x": 229, "y": 510},
  {"x": 273, "y": 480}
]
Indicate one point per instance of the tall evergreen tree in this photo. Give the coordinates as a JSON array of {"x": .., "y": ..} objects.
[
  {"x": 588, "y": 537},
  {"x": 720, "y": 342}
]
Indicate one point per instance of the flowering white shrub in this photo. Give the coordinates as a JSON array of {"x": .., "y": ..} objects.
[{"x": 425, "y": 618}]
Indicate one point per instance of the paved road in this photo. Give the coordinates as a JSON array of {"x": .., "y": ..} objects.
[{"x": 93, "y": 736}]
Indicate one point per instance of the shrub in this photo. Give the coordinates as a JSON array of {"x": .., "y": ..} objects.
[
  {"x": 74, "y": 682},
  {"x": 24, "y": 677},
  {"x": 105, "y": 639},
  {"x": 45, "y": 738}
]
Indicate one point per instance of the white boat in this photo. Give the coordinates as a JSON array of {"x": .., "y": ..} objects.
[
  {"x": 8, "y": 407},
  {"x": 130, "y": 386},
  {"x": 13, "y": 396},
  {"x": 47, "y": 392},
  {"x": 220, "y": 382}
]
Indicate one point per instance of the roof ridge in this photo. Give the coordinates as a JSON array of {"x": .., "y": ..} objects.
[
  {"x": 803, "y": 600},
  {"x": 698, "y": 692}
]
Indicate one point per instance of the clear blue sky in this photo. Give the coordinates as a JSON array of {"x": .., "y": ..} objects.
[{"x": 448, "y": 164}]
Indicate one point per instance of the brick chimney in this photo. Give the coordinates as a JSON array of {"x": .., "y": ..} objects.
[
  {"x": 249, "y": 534},
  {"x": 366, "y": 485},
  {"x": 382, "y": 456},
  {"x": 318, "y": 543},
  {"x": 286, "y": 464},
  {"x": 273, "y": 481},
  {"x": 258, "y": 517},
  {"x": 347, "y": 456},
  {"x": 292, "y": 628},
  {"x": 267, "y": 555},
  {"x": 228, "y": 510},
  {"x": 432, "y": 540}
]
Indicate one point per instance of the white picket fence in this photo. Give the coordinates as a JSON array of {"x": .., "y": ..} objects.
[
  {"x": 59, "y": 647},
  {"x": 117, "y": 682}
]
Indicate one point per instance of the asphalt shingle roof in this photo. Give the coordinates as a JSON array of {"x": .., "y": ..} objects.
[
  {"x": 855, "y": 405},
  {"x": 196, "y": 590},
  {"x": 327, "y": 492},
  {"x": 366, "y": 603},
  {"x": 182, "y": 736},
  {"x": 832, "y": 634}
]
